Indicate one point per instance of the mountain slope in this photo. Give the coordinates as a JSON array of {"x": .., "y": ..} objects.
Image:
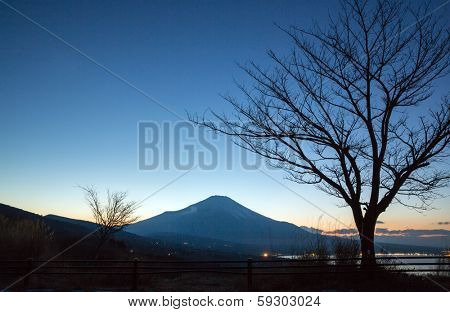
[
  {"x": 67, "y": 232},
  {"x": 86, "y": 224},
  {"x": 16, "y": 213},
  {"x": 222, "y": 218}
]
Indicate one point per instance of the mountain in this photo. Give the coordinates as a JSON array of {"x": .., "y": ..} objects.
[
  {"x": 66, "y": 231},
  {"x": 221, "y": 218},
  {"x": 219, "y": 227},
  {"x": 221, "y": 223}
]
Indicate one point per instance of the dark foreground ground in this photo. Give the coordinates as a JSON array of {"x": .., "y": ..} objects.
[{"x": 379, "y": 281}]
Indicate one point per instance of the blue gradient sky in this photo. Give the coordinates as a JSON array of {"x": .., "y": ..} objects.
[{"x": 66, "y": 122}]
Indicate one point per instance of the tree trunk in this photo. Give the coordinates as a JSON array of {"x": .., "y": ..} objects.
[
  {"x": 367, "y": 237},
  {"x": 102, "y": 242}
]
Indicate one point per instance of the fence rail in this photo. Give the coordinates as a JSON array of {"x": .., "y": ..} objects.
[{"x": 250, "y": 267}]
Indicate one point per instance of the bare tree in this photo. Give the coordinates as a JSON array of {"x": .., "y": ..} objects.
[
  {"x": 111, "y": 217},
  {"x": 347, "y": 110}
]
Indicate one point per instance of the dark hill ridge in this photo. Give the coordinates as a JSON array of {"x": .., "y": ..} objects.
[
  {"x": 16, "y": 213},
  {"x": 86, "y": 224},
  {"x": 219, "y": 217}
]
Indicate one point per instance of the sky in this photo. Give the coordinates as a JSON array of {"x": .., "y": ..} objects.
[{"x": 77, "y": 76}]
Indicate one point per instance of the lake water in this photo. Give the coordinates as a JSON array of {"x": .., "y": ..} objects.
[{"x": 417, "y": 262}]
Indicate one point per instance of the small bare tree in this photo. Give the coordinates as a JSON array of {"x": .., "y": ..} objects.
[
  {"x": 111, "y": 217},
  {"x": 341, "y": 111}
]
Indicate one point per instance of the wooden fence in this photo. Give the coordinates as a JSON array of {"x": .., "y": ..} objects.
[{"x": 24, "y": 269}]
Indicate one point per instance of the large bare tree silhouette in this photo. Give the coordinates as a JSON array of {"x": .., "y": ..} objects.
[{"x": 343, "y": 110}]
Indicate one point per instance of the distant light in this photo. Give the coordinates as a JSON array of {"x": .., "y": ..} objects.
[{"x": 265, "y": 254}]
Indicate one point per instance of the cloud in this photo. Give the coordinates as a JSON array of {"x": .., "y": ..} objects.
[
  {"x": 311, "y": 229},
  {"x": 342, "y": 232},
  {"x": 413, "y": 233},
  {"x": 432, "y": 235},
  {"x": 393, "y": 233},
  {"x": 444, "y": 223},
  {"x": 387, "y": 232}
]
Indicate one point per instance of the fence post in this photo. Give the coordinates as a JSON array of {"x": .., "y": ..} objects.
[
  {"x": 249, "y": 274},
  {"x": 26, "y": 281},
  {"x": 135, "y": 274}
]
